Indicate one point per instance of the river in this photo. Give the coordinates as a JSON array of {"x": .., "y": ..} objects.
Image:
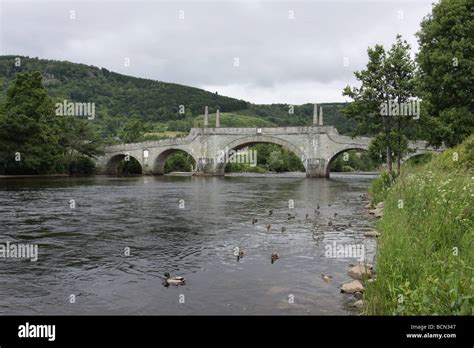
[{"x": 187, "y": 226}]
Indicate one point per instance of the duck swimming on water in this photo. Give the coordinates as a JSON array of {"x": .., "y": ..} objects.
[
  {"x": 274, "y": 257},
  {"x": 174, "y": 280}
]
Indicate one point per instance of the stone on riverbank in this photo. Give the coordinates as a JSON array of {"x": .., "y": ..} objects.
[
  {"x": 371, "y": 234},
  {"x": 352, "y": 287},
  {"x": 378, "y": 212},
  {"x": 360, "y": 271}
]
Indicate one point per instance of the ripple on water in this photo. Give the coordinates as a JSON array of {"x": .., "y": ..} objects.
[{"x": 82, "y": 250}]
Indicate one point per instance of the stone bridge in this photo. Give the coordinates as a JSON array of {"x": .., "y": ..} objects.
[{"x": 317, "y": 146}]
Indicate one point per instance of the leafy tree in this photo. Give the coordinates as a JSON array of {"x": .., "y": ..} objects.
[
  {"x": 446, "y": 66},
  {"x": 29, "y": 128},
  {"x": 78, "y": 138},
  {"x": 276, "y": 162},
  {"x": 132, "y": 131},
  {"x": 388, "y": 77}
]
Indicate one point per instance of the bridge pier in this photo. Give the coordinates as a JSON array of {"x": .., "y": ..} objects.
[
  {"x": 207, "y": 167},
  {"x": 316, "y": 168}
]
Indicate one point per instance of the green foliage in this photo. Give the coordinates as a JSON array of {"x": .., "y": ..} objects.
[
  {"x": 389, "y": 76},
  {"x": 130, "y": 167},
  {"x": 45, "y": 142},
  {"x": 270, "y": 158},
  {"x": 425, "y": 255},
  {"x": 233, "y": 120},
  {"x": 179, "y": 162},
  {"x": 132, "y": 131},
  {"x": 244, "y": 168},
  {"x": 81, "y": 165},
  {"x": 354, "y": 161},
  {"x": 446, "y": 65},
  {"x": 381, "y": 185},
  {"x": 29, "y": 128}
]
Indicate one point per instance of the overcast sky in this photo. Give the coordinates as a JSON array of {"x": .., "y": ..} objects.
[{"x": 261, "y": 51}]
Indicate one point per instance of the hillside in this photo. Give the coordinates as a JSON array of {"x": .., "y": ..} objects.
[{"x": 125, "y": 102}]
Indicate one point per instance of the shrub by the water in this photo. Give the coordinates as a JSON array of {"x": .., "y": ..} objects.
[{"x": 81, "y": 165}]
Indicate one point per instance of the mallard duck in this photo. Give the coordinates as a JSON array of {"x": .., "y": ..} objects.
[
  {"x": 174, "y": 280},
  {"x": 270, "y": 213},
  {"x": 326, "y": 278},
  {"x": 306, "y": 216},
  {"x": 317, "y": 207},
  {"x": 283, "y": 229},
  {"x": 330, "y": 223},
  {"x": 254, "y": 221},
  {"x": 335, "y": 214},
  {"x": 274, "y": 257},
  {"x": 269, "y": 227}
]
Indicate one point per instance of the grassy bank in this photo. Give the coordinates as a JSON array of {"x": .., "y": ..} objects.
[{"x": 425, "y": 254}]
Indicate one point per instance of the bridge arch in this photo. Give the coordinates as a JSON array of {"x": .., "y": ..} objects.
[
  {"x": 160, "y": 160},
  {"x": 111, "y": 167},
  {"x": 333, "y": 157},
  {"x": 252, "y": 140}
]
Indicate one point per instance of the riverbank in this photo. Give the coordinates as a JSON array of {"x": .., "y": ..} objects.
[
  {"x": 425, "y": 251},
  {"x": 33, "y": 176}
]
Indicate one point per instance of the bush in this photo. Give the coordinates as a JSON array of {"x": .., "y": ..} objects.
[
  {"x": 81, "y": 165},
  {"x": 381, "y": 185}
]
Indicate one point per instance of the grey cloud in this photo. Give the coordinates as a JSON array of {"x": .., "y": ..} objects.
[{"x": 277, "y": 55}]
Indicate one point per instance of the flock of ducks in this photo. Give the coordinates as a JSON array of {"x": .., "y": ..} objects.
[{"x": 239, "y": 253}]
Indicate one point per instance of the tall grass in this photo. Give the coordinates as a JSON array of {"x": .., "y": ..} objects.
[{"x": 425, "y": 262}]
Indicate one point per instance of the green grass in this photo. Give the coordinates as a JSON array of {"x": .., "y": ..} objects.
[
  {"x": 425, "y": 254},
  {"x": 233, "y": 120}
]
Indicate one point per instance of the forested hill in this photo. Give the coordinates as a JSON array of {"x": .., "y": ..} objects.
[{"x": 128, "y": 105}]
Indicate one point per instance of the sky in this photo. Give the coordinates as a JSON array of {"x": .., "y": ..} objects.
[{"x": 264, "y": 52}]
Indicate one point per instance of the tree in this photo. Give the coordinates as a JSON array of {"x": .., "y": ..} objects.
[
  {"x": 132, "y": 131},
  {"x": 388, "y": 78},
  {"x": 29, "y": 129},
  {"x": 446, "y": 78}
]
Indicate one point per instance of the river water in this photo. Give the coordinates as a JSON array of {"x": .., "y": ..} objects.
[{"x": 187, "y": 226}]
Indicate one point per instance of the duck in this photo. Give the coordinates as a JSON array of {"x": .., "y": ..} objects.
[
  {"x": 283, "y": 229},
  {"x": 270, "y": 213},
  {"x": 240, "y": 255},
  {"x": 254, "y": 221},
  {"x": 306, "y": 216},
  {"x": 174, "y": 280},
  {"x": 317, "y": 207},
  {"x": 335, "y": 214},
  {"x": 269, "y": 227},
  {"x": 274, "y": 257},
  {"x": 330, "y": 223},
  {"x": 326, "y": 278}
]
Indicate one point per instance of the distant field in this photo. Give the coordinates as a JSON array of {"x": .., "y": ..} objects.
[
  {"x": 164, "y": 135},
  {"x": 228, "y": 119}
]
